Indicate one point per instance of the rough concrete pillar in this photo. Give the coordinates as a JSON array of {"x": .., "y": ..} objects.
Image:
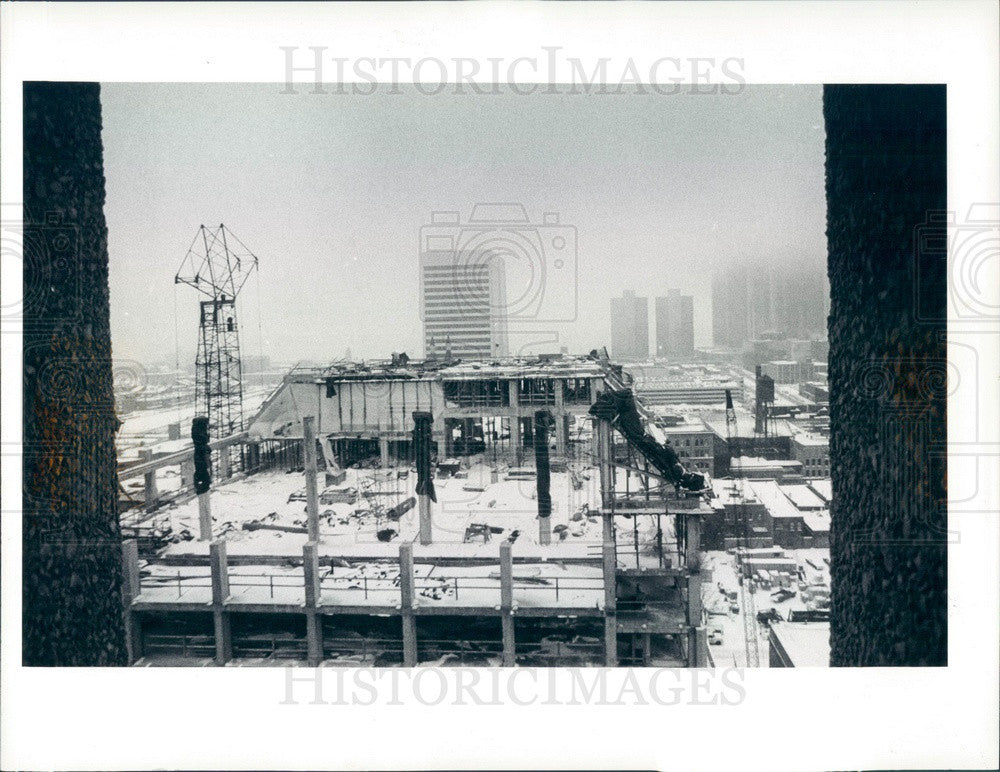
[
  {"x": 220, "y": 594},
  {"x": 697, "y": 647},
  {"x": 889, "y": 268},
  {"x": 692, "y": 541},
  {"x": 150, "y": 494},
  {"x": 225, "y": 463},
  {"x": 406, "y": 604},
  {"x": 383, "y": 450},
  {"x": 604, "y": 462},
  {"x": 507, "y": 605},
  {"x": 312, "y": 495},
  {"x": 187, "y": 472},
  {"x": 694, "y": 605},
  {"x": 514, "y": 418},
  {"x": 173, "y": 431},
  {"x": 426, "y": 524},
  {"x": 205, "y": 516},
  {"x": 131, "y": 589},
  {"x": 610, "y": 566},
  {"x": 314, "y": 627}
]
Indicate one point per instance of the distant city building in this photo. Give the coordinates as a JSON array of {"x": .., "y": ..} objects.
[
  {"x": 463, "y": 306},
  {"x": 814, "y": 453},
  {"x": 630, "y": 326},
  {"x": 768, "y": 298},
  {"x": 674, "y": 324}
]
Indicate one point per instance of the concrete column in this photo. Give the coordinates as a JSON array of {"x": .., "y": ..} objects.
[
  {"x": 187, "y": 472},
  {"x": 697, "y": 647},
  {"x": 220, "y": 593},
  {"x": 507, "y": 604},
  {"x": 383, "y": 449},
  {"x": 604, "y": 462},
  {"x": 312, "y": 496},
  {"x": 515, "y": 422},
  {"x": 314, "y": 627},
  {"x": 173, "y": 432},
  {"x": 205, "y": 516},
  {"x": 426, "y": 524},
  {"x": 608, "y": 525},
  {"x": 310, "y": 573},
  {"x": 406, "y": 604},
  {"x": 692, "y": 541},
  {"x": 611, "y": 640},
  {"x": 610, "y": 565},
  {"x": 146, "y": 455},
  {"x": 131, "y": 591},
  {"x": 225, "y": 464},
  {"x": 694, "y": 606},
  {"x": 560, "y": 417}
]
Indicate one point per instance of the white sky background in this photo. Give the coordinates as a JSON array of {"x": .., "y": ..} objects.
[{"x": 330, "y": 192}]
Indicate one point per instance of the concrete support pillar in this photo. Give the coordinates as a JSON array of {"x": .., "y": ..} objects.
[
  {"x": 383, "y": 450},
  {"x": 507, "y": 604},
  {"x": 205, "y": 516},
  {"x": 604, "y": 462},
  {"x": 312, "y": 496},
  {"x": 220, "y": 594},
  {"x": 426, "y": 524},
  {"x": 150, "y": 494},
  {"x": 697, "y": 647},
  {"x": 515, "y": 422},
  {"x": 406, "y": 604},
  {"x": 608, "y": 525},
  {"x": 314, "y": 627},
  {"x": 692, "y": 541},
  {"x": 173, "y": 432},
  {"x": 130, "y": 591},
  {"x": 694, "y": 605},
  {"x": 610, "y": 565},
  {"x": 225, "y": 463},
  {"x": 187, "y": 472}
]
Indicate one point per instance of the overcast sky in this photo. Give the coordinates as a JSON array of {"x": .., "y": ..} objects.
[{"x": 330, "y": 192}]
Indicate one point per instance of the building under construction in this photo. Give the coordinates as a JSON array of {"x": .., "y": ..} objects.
[{"x": 507, "y": 512}]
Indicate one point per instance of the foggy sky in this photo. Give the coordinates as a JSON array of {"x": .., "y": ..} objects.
[{"x": 330, "y": 192}]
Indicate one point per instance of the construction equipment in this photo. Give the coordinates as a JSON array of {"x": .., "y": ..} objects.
[
  {"x": 744, "y": 528},
  {"x": 618, "y": 408},
  {"x": 217, "y": 264}
]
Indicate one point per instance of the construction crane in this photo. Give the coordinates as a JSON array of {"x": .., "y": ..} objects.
[
  {"x": 218, "y": 264},
  {"x": 748, "y": 606}
]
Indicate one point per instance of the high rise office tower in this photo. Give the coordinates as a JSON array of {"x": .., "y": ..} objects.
[
  {"x": 463, "y": 306},
  {"x": 630, "y": 326},
  {"x": 674, "y": 324}
]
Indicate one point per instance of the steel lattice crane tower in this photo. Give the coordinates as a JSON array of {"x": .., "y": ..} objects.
[
  {"x": 749, "y": 607},
  {"x": 218, "y": 264}
]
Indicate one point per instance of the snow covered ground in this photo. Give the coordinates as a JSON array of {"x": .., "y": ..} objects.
[{"x": 504, "y": 507}]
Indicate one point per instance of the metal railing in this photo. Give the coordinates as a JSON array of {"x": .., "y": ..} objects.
[
  {"x": 181, "y": 581},
  {"x": 184, "y": 645},
  {"x": 266, "y": 580}
]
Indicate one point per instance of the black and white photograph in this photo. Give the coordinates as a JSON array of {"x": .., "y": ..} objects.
[{"x": 375, "y": 374}]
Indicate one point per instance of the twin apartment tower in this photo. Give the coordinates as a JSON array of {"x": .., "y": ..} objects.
[{"x": 674, "y": 318}]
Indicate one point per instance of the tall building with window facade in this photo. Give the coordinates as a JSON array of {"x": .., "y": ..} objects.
[
  {"x": 630, "y": 326},
  {"x": 463, "y": 306},
  {"x": 674, "y": 324}
]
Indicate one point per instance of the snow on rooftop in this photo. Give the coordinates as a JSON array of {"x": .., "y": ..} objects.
[
  {"x": 352, "y": 529},
  {"x": 807, "y": 644}
]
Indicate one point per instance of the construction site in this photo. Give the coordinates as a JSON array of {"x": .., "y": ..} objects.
[{"x": 512, "y": 511}]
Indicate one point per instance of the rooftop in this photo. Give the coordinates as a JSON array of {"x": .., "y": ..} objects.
[{"x": 806, "y": 644}]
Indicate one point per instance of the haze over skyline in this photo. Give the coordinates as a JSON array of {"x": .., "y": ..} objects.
[{"x": 330, "y": 192}]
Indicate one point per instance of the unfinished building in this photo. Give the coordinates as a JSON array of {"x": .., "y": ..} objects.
[{"x": 507, "y": 512}]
